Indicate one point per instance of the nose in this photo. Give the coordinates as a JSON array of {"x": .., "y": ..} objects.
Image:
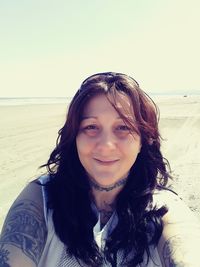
[{"x": 106, "y": 142}]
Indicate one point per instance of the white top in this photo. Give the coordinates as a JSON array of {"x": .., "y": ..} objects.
[{"x": 54, "y": 254}]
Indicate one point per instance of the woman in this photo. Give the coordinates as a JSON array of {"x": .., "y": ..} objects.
[{"x": 104, "y": 201}]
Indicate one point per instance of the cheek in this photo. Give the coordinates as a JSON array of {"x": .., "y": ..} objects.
[
  {"x": 132, "y": 151},
  {"x": 133, "y": 145},
  {"x": 79, "y": 145},
  {"x": 83, "y": 146}
]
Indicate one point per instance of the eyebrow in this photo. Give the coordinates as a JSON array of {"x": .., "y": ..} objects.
[{"x": 88, "y": 117}]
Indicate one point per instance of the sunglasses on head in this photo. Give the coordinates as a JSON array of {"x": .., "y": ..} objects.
[{"x": 108, "y": 74}]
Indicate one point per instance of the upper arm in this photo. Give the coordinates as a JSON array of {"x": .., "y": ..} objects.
[
  {"x": 24, "y": 231},
  {"x": 179, "y": 242}
]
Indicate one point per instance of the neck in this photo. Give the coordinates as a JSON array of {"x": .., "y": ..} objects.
[
  {"x": 108, "y": 188},
  {"x": 105, "y": 198},
  {"x": 106, "y": 195}
]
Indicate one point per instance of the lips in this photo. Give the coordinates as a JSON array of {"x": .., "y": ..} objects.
[{"x": 106, "y": 162}]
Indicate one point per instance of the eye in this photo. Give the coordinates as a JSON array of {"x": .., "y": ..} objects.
[
  {"x": 90, "y": 129},
  {"x": 123, "y": 128}
]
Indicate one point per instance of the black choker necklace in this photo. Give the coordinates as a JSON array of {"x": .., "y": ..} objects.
[{"x": 109, "y": 188}]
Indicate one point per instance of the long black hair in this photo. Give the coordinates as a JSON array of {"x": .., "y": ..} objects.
[{"x": 139, "y": 223}]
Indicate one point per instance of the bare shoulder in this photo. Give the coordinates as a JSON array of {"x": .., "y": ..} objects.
[
  {"x": 178, "y": 245},
  {"x": 24, "y": 231},
  {"x": 178, "y": 211}
]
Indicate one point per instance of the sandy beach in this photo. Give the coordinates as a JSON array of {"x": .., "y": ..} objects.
[{"x": 28, "y": 135}]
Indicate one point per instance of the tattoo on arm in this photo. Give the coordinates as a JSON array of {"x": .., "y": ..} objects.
[
  {"x": 24, "y": 228},
  {"x": 171, "y": 249},
  {"x": 4, "y": 257}
]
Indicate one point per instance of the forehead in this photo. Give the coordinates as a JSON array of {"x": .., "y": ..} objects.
[{"x": 120, "y": 104}]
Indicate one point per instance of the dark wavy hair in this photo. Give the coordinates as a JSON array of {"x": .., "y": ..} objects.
[{"x": 139, "y": 222}]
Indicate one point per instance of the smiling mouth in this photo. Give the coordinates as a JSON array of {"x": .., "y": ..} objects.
[{"x": 106, "y": 162}]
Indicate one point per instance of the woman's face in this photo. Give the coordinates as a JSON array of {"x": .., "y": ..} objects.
[{"x": 106, "y": 147}]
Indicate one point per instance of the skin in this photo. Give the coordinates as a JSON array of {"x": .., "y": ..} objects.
[
  {"x": 107, "y": 149},
  {"x": 24, "y": 232},
  {"x": 179, "y": 243}
]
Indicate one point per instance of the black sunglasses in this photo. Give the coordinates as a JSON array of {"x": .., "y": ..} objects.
[{"x": 109, "y": 74}]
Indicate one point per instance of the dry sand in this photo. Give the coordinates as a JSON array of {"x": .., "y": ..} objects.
[
  {"x": 180, "y": 128},
  {"x": 28, "y": 134}
]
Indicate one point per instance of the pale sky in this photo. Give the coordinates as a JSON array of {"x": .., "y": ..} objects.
[{"x": 49, "y": 46}]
